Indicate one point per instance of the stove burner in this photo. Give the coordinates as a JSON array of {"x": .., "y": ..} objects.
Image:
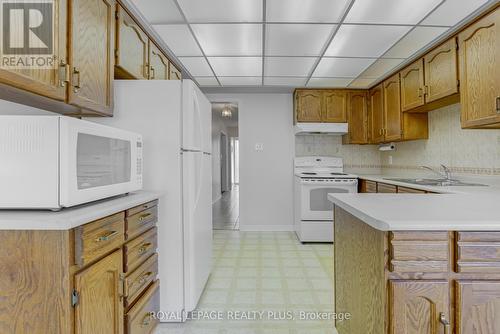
[{"x": 309, "y": 173}]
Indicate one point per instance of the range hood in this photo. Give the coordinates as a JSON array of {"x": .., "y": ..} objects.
[{"x": 324, "y": 128}]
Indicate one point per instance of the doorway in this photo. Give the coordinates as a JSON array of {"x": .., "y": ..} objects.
[{"x": 225, "y": 166}]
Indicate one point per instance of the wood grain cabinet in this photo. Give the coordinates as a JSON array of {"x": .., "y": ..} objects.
[
  {"x": 479, "y": 53},
  {"x": 357, "y": 117},
  {"x": 334, "y": 106},
  {"x": 174, "y": 73},
  {"x": 46, "y": 82},
  {"x": 308, "y": 105},
  {"x": 91, "y": 47},
  {"x": 392, "y": 109},
  {"x": 376, "y": 114},
  {"x": 158, "y": 63},
  {"x": 412, "y": 86},
  {"x": 132, "y": 45}
]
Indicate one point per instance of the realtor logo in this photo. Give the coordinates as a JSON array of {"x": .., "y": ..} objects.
[{"x": 27, "y": 34}]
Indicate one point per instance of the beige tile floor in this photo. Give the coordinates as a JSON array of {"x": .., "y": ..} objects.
[{"x": 265, "y": 271}]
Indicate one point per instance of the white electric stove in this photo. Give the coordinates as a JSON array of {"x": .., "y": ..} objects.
[{"x": 315, "y": 178}]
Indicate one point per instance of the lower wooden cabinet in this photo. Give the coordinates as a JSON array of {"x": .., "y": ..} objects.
[
  {"x": 99, "y": 290},
  {"x": 141, "y": 319},
  {"x": 419, "y": 307}
]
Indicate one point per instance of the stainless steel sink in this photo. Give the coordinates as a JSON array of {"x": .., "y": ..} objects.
[{"x": 437, "y": 182}]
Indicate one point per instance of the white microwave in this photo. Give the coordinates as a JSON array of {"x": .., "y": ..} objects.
[{"x": 51, "y": 162}]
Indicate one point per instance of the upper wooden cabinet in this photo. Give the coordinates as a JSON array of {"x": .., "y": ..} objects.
[
  {"x": 91, "y": 55},
  {"x": 308, "y": 105},
  {"x": 412, "y": 86},
  {"x": 100, "y": 306},
  {"x": 441, "y": 71},
  {"x": 46, "y": 82},
  {"x": 334, "y": 106},
  {"x": 392, "y": 109},
  {"x": 357, "y": 116},
  {"x": 174, "y": 73},
  {"x": 131, "y": 48},
  {"x": 158, "y": 63},
  {"x": 479, "y": 48},
  {"x": 420, "y": 307},
  {"x": 376, "y": 114}
]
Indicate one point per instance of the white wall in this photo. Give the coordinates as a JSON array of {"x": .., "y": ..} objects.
[{"x": 266, "y": 177}]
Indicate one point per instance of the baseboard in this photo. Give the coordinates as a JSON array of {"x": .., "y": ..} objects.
[{"x": 267, "y": 228}]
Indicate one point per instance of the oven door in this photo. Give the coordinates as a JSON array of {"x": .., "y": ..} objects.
[
  {"x": 314, "y": 198},
  {"x": 97, "y": 161}
]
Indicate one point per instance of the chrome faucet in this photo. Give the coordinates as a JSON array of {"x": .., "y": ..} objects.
[{"x": 445, "y": 174}]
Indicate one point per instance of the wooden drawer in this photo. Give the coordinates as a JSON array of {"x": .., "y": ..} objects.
[
  {"x": 140, "y": 222},
  {"x": 478, "y": 252},
  {"x": 93, "y": 240},
  {"x": 141, "y": 319},
  {"x": 368, "y": 186},
  {"x": 139, "y": 279},
  {"x": 139, "y": 208},
  {"x": 139, "y": 249},
  {"x": 386, "y": 188},
  {"x": 419, "y": 251},
  {"x": 404, "y": 190}
]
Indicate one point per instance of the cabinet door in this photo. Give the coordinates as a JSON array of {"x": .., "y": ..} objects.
[
  {"x": 308, "y": 106},
  {"x": 478, "y": 307},
  {"x": 158, "y": 63},
  {"x": 418, "y": 306},
  {"x": 412, "y": 86},
  {"x": 100, "y": 307},
  {"x": 131, "y": 48},
  {"x": 92, "y": 60},
  {"x": 377, "y": 114},
  {"x": 392, "y": 109},
  {"x": 358, "y": 118},
  {"x": 441, "y": 74},
  {"x": 479, "y": 72},
  {"x": 47, "y": 82},
  {"x": 174, "y": 73},
  {"x": 334, "y": 106}
]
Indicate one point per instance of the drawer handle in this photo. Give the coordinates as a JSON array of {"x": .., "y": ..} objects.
[
  {"x": 144, "y": 248},
  {"x": 77, "y": 86},
  {"x": 445, "y": 322},
  {"x": 144, "y": 217},
  {"x": 498, "y": 104},
  {"x": 107, "y": 236},
  {"x": 145, "y": 277},
  {"x": 146, "y": 320}
]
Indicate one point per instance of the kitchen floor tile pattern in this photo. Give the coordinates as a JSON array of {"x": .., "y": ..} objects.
[
  {"x": 226, "y": 211},
  {"x": 265, "y": 271}
]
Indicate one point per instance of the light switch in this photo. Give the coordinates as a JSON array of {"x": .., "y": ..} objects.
[
  {"x": 390, "y": 160},
  {"x": 259, "y": 147}
]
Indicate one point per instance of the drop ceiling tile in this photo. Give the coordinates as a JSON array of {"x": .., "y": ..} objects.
[
  {"x": 365, "y": 40},
  {"x": 362, "y": 83},
  {"x": 236, "y": 66},
  {"x": 288, "y": 66},
  {"x": 240, "y": 81},
  {"x": 197, "y": 66},
  {"x": 305, "y": 11},
  {"x": 285, "y": 81},
  {"x": 341, "y": 67},
  {"x": 296, "y": 39},
  {"x": 380, "y": 67},
  {"x": 329, "y": 82},
  {"x": 207, "y": 81},
  {"x": 390, "y": 11},
  {"x": 453, "y": 11},
  {"x": 159, "y": 11},
  {"x": 222, "y": 10},
  {"x": 179, "y": 39},
  {"x": 229, "y": 39},
  {"x": 414, "y": 41}
]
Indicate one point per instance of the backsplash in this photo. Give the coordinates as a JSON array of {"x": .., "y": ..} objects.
[
  {"x": 357, "y": 158},
  {"x": 464, "y": 151}
]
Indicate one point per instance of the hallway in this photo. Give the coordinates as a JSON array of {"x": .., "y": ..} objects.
[{"x": 226, "y": 211}]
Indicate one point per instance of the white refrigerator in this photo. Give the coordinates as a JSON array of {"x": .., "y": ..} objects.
[{"x": 174, "y": 118}]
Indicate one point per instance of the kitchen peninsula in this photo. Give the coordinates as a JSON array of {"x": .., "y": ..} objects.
[{"x": 413, "y": 263}]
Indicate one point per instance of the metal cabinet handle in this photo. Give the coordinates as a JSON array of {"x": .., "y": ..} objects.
[
  {"x": 63, "y": 73},
  {"x": 152, "y": 72},
  {"x": 444, "y": 322},
  {"x": 498, "y": 104},
  {"x": 146, "y": 320},
  {"x": 107, "y": 236},
  {"x": 122, "y": 287},
  {"x": 145, "y": 277},
  {"x": 144, "y": 248},
  {"x": 420, "y": 92},
  {"x": 76, "y": 73},
  {"x": 144, "y": 216}
]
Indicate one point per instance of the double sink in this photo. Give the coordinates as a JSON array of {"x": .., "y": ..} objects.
[{"x": 437, "y": 182}]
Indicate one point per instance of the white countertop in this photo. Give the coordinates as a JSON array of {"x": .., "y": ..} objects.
[
  {"x": 69, "y": 218},
  {"x": 431, "y": 212}
]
